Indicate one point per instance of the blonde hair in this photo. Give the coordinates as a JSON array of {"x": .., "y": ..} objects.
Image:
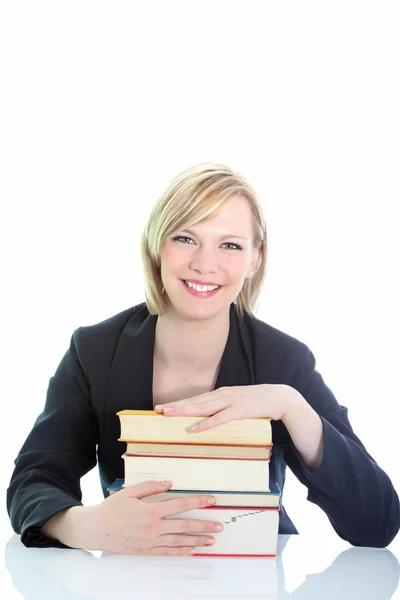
[{"x": 198, "y": 194}]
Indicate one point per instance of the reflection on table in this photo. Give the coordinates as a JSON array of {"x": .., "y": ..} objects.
[{"x": 51, "y": 574}]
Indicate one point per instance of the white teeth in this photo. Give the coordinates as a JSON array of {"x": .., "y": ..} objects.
[{"x": 201, "y": 288}]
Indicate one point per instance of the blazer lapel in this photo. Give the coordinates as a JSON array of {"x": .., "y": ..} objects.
[{"x": 131, "y": 375}]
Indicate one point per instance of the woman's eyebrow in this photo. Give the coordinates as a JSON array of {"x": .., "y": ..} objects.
[{"x": 223, "y": 237}]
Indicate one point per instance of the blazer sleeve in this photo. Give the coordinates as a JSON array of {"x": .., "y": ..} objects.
[
  {"x": 349, "y": 486},
  {"x": 58, "y": 451}
]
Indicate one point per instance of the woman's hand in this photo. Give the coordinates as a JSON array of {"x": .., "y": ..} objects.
[
  {"x": 231, "y": 403},
  {"x": 276, "y": 401},
  {"x": 123, "y": 523}
]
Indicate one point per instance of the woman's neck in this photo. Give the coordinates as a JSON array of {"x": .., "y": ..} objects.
[{"x": 193, "y": 345}]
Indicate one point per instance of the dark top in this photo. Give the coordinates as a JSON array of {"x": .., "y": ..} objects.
[{"x": 109, "y": 367}]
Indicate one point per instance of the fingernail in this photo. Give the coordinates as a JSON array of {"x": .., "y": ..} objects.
[
  {"x": 211, "y": 500},
  {"x": 218, "y": 527},
  {"x": 192, "y": 550},
  {"x": 168, "y": 408},
  {"x": 210, "y": 541},
  {"x": 195, "y": 427},
  {"x": 167, "y": 483}
]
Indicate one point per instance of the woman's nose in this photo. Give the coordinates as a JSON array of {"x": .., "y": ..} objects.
[{"x": 205, "y": 260}]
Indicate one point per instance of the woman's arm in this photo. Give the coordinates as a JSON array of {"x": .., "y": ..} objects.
[
  {"x": 44, "y": 496},
  {"x": 58, "y": 451},
  {"x": 309, "y": 438},
  {"x": 322, "y": 449},
  {"x": 345, "y": 482}
]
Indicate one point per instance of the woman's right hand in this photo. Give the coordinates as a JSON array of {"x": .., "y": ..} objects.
[{"x": 125, "y": 524}]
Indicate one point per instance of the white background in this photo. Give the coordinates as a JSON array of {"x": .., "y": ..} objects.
[{"x": 103, "y": 103}]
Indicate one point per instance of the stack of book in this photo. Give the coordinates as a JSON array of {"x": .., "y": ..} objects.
[{"x": 230, "y": 462}]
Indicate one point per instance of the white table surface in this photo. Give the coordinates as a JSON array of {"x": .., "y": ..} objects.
[{"x": 318, "y": 565}]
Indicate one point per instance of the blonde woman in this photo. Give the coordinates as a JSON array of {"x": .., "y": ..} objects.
[{"x": 194, "y": 347}]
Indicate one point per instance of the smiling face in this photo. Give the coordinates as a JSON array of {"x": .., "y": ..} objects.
[{"x": 215, "y": 252}]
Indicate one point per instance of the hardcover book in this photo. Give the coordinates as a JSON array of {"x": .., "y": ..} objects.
[
  {"x": 247, "y": 531},
  {"x": 223, "y": 498},
  {"x": 250, "y": 531},
  {"x": 224, "y": 474},
  {"x": 198, "y": 450},
  {"x": 150, "y": 426}
]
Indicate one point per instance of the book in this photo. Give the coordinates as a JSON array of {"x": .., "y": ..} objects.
[
  {"x": 223, "y": 498},
  {"x": 197, "y": 450},
  {"x": 245, "y": 475},
  {"x": 247, "y": 532},
  {"x": 229, "y": 461},
  {"x": 150, "y": 426}
]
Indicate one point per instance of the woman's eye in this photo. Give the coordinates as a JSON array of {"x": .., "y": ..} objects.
[
  {"x": 237, "y": 247},
  {"x": 182, "y": 237}
]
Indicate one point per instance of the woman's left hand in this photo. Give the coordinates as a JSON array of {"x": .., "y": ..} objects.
[{"x": 231, "y": 403}]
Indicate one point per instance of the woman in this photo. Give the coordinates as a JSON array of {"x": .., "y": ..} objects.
[{"x": 199, "y": 351}]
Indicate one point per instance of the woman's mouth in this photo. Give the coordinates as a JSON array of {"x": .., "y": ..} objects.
[{"x": 200, "y": 294}]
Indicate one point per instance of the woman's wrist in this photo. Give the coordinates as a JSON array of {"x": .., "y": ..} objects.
[
  {"x": 305, "y": 428},
  {"x": 67, "y": 526}
]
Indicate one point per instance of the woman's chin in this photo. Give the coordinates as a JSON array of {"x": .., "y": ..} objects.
[{"x": 198, "y": 310}]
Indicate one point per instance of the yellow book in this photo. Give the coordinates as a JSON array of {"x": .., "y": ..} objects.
[{"x": 150, "y": 426}]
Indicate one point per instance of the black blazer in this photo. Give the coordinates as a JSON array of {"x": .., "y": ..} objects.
[{"x": 109, "y": 367}]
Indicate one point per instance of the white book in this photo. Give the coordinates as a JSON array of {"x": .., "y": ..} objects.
[
  {"x": 247, "y": 532},
  {"x": 199, "y": 473}
]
